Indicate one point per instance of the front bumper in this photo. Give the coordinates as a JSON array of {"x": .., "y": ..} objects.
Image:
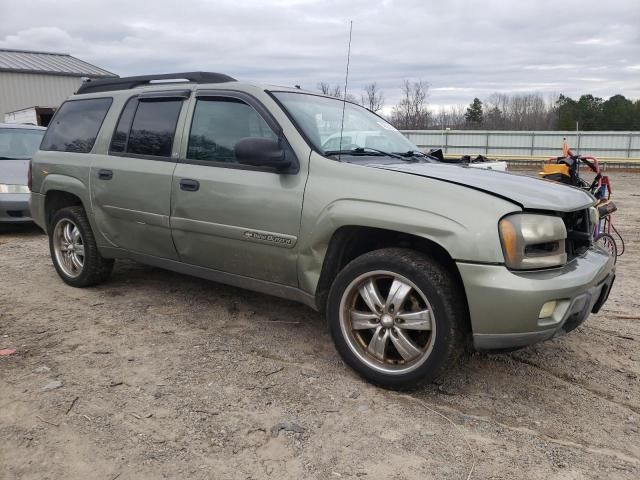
[
  {"x": 14, "y": 208},
  {"x": 504, "y": 305}
]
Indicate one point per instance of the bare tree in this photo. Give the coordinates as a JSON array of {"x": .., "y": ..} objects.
[
  {"x": 497, "y": 106},
  {"x": 324, "y": 88},
  {"x": 373, "y": 97},
  {"x": 528, "y": 111},
  {"x": 336, "y": 91},
  {"x": 412, "y": 111},
  {"x": 327, "y": 89},
  {"x": 448, "y": 117},
  {"x": 501, "y": 111}
]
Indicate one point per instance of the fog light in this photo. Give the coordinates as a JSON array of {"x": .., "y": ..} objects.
[{"x": 547, "y": 309}]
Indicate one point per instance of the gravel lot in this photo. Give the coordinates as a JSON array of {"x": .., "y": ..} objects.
[{"x": 159, "y": 375}]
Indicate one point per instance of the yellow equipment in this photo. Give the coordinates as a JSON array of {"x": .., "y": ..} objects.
[{"x": 556, "y": 172}]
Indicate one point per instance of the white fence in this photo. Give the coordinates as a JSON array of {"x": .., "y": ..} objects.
[{"x": 624, "y": 145}]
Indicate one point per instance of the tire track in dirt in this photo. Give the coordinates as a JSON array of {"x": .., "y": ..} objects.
[
  {"x": 586, "y": 448},
  {"x": 566, "y": 378}
]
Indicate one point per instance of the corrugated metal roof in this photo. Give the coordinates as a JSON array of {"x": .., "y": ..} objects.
[{"x": 24, "y": 61}]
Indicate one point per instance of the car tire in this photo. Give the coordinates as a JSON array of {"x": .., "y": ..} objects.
[
  {"x": 420, "y": 322},
  {"x": 74, "y": 251}
]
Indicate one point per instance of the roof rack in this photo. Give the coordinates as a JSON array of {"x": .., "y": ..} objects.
[{"x": 125, "y": 83}]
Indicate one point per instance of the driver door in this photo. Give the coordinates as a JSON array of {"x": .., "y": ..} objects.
[{"x": 230, "y": 217}]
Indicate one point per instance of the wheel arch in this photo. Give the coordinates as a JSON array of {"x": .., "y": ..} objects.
[
  {"x": 62, "y": 191},
  {"x": 351, "y": 241},
  {"x": 56, "y": 200}
]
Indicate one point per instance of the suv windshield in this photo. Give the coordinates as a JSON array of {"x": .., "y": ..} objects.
[
  {"x": 19, "y": 143},
  {"x": 320, "y": 118}
]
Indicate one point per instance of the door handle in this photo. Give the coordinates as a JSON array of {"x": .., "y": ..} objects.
[
  {"x": 189, "y": 185},
  {"x": 104, "y": 174}
]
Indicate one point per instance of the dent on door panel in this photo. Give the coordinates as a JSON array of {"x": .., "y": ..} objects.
[
  {"x": 142, "y": 218},
  {"x": 132, "y": 208}
]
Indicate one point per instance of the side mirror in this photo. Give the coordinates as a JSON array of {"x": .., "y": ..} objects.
[{"x": 261, "y": 152}]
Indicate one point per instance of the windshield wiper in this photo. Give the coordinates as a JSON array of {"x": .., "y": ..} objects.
[
  {"x": 365, "y": 151},
  {"x": 412, "y": 153}
]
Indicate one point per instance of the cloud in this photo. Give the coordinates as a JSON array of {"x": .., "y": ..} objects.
[
  {"x": 462, "y": 49},
  {"x": 39, "y": 38},
  {"x": 598, "y": 41},
  {"x": 551, "y": 67}
]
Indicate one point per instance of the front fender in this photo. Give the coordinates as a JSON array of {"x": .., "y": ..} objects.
[
  {"x": 354, "y": 212},
  {"x": 463, "y": 221}
]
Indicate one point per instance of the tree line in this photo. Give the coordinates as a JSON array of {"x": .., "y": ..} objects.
[{"x": 499, "y": 111}]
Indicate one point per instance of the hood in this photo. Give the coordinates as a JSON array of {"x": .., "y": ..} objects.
[
  {"x": 14, "y": 172},
  {"x": 528, "y": 192}
]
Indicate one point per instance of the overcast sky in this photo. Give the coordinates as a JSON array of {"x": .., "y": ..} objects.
[{"x": 462, "y": 48}]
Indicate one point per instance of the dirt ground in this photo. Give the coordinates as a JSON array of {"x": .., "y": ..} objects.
[{"x": 160, "y": 375}]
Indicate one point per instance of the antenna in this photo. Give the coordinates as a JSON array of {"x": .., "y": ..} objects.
[{"x": 346, "y": 83}]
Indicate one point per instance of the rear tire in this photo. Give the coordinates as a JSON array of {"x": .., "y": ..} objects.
[
  {"x": 74, "y": 251},
  {"x": 397, "y": 317}
]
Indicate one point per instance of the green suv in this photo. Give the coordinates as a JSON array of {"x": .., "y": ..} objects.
[{"x": 409, "y": 259}]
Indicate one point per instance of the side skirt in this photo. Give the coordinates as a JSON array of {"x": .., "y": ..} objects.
[{"x": 262, "y": 286}]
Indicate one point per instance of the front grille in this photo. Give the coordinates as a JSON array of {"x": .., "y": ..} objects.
[{"x": 579, "y": 234}]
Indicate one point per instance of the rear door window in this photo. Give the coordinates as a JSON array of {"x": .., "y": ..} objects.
[
  {"x": 147, "y": 127},
  {"x": 76, "y": 125}
]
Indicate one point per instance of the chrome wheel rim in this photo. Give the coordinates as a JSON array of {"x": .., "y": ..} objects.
[
  {"x": 68, "y": 247},
  {"x": 388, "y": 322}
]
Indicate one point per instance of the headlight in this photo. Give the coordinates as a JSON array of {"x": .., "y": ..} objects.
[
  {"x": 531, "y": 241},
  {"x": 13, "y": 188}
]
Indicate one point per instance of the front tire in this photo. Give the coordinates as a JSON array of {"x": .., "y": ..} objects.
[
  {"x": 397, "y": 317},
  {"x": 74, "y": 251}
]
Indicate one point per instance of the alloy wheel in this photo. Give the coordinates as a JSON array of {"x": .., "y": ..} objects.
[
  {"x": 68, "y": 246},
  {"x": 387, "y": 321}
]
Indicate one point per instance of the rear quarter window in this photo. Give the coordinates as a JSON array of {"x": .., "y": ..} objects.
[{"x": 75, "y": 126}]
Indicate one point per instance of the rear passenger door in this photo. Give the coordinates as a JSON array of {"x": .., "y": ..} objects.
[
  {"x": 231, "y": 217},
  {"x": 131, "y": 186}
]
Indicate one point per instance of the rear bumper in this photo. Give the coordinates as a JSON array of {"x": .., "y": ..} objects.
[
  {"x": 504, "y": 306},
  {"x": 36, "y": 204},
  {"x": 14, "y": 208}
]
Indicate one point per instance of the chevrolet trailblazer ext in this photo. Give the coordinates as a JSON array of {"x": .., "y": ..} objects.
[{"x": 409, "y": 259}]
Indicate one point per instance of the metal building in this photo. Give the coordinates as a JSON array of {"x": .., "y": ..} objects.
[{"x": 32, "y": 84}]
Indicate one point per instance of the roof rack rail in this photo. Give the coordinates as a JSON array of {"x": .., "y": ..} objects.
[{"x": 125, "y": 83}]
